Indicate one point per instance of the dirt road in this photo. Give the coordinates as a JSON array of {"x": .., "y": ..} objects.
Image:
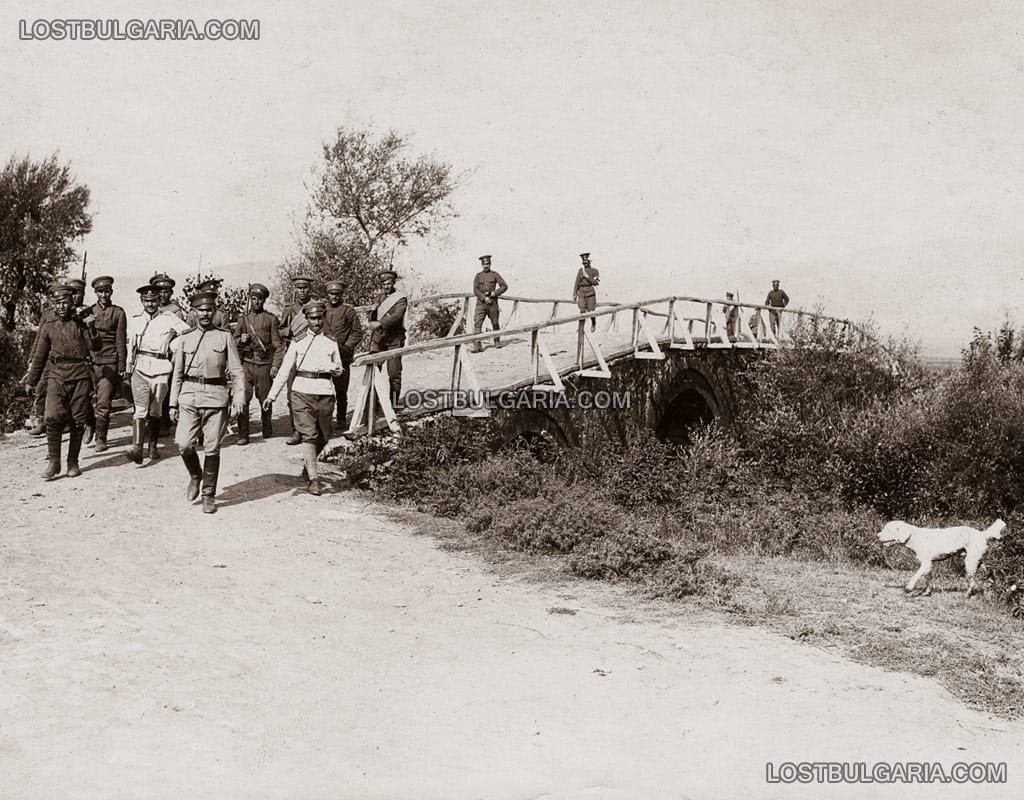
[{"x": 300, "y": 647}]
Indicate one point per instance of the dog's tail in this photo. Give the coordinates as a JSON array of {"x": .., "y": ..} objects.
[{"x": 995, "y": 530}]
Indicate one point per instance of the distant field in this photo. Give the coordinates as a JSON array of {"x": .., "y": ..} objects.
[{"x": 940, "y": 363}]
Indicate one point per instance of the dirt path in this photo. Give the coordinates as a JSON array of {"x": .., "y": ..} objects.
[{"x": 295, "y": 647}]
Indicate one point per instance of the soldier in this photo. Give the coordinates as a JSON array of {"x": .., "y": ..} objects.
[
  {"x": 83, "y": 312},
  {"x": 776, "y": 299},
  {"x": 732, "y": 316},
  {"x": 111, "y": 357},
  {"x": 488, "y": 286},
  {"x": 37, "y": 421},
  {"x": 165, "y": 287},
  {"x": 149, "y": 368},
  {"x": 259, "y": 343},
  {"x": 207, "y": 379},
  {"x": 387, "y": 329},
  {"x": 315, "y": 360},
  {"x": 341, "y": 323},
  {"x": 584, "y": 292},
  {"x": 293, "y": 325},
  {"x": 220, "y": 320},
  {"x": 62, "y": 348}
]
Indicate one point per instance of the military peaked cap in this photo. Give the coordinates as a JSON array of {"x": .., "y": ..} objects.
[
  {"x": 259, "y": 290},
  {"x": 101, "y": 281},
  {"x": 147, "y": 292},
  {"x": 315, "y": 308},
  {"x": 162, "y": 280},
  {"x": 203, "y": 300}
]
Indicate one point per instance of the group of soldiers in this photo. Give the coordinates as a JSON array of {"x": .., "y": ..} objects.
[{"x": 195, "y": 370}]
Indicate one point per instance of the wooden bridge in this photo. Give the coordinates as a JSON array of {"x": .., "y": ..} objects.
[{"x": 542, "y": 346}]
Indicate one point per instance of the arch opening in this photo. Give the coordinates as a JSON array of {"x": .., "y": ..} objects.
[{"x": 688, "y": 411}]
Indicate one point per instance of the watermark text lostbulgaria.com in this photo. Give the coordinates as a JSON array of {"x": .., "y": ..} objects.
[
  {"x": 139, "y": 30},
  {"x": 884, "y": 772}
]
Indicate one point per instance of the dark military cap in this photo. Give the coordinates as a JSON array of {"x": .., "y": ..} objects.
[
  {"x": 211, "y": 285},
  {"x": 203, "y": 300},
  {"x": 334, "y": 286},
  {"x": 63, "y": 290},
  {"x": 315, "y": 308},
  {"x": 302, "y": 280},
  {"x": 485, "y": 259},
  {"x": 387, "y": 273},
  {"x": 259, "y": 290},
  {"x": 76, "y": 283},
  {"x": 102, "y": 281},
  {"x": 53, "y": 286},
  {"x": 147, "y": 292},
  {"x": 584, "y": 256},
  {"x": 162, "y": 280}
]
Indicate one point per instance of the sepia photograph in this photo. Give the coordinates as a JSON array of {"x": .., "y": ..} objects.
[{"x": 595, "y": 400}]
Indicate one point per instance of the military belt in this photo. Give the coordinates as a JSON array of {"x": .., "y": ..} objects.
[
  {"x": 206, "y": 381},
  {"x": 68, "y": 360},
  {"x": 301, "y": 373},
  {"x": 153, "y": 354}
]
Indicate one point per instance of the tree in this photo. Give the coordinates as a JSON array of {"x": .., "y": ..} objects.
[
  {"x": 42, "y": 212},
  {"x": 369, "y": 199},
  {"x": 232, "y": 300}
]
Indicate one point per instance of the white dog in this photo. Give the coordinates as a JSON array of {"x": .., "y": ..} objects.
[{"x": 937, "y": 544}]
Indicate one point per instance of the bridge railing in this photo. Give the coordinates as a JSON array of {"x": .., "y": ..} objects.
[{"x": 680, "y": 322}]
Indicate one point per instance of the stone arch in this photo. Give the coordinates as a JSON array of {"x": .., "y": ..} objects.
[
  {"x": 524, "y": 426},
  {"x": 687, "y": 401}
]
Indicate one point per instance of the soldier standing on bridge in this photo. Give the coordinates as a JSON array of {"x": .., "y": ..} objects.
[
  {"x": 488, "y": 286},
  {"x": 732, "y": 316},
  {"x": 387, "y": 329},
  {"x": 111, "y": 357},
  {"x": 341, "y": 323},
  {"x": 584, "y": 291},
  {"x": 776, "y": 299},
  {"x": 293, "y": 325},
  {"x": 315, "y": 361},
  {"x": 207, "y": 378},
  {"x": 149, "y": 368},
  {"x": 261, "y": 349},
  {"x": 62, "y": 349}
]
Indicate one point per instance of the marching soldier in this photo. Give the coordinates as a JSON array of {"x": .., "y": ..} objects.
[
  {"x": 149, "y": 368},
  {"x": 387, "y": 329},
  {"x": 261, "y": 350},
  {"x": 488, "y": 286},
  {"x": 207, "y": 379},
  {"x": 62, "y": 349},
  {"x": 220, "y": 320},
  {"x": 315, "y": 360},
  {"x": 341, "y": 323},
  {"x": 165, "y": 288},
  {"x": 293, "y": 325},
  {"x": 111, "y": 357},
  {"x": 584, "y": 292},
  {"x": 49, "y": 314},
  {"x": 84, "y": 313}
]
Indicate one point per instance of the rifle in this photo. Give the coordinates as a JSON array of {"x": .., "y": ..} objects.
[
  {"x": 252, "y": 333},
  {"x": 85, "y": 259}
]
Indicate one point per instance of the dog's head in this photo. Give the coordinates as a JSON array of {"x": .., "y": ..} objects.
[
  {"x": 995, "y": 530},
  {"x": 895, "y": 532}
]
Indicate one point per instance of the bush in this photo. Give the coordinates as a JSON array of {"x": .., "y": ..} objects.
[
  {"x": 14, "y": 352},
  {"x": 433, "y": 320}
]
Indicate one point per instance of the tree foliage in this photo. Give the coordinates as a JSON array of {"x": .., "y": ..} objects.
[
  {"x": 370, "y": 197},
  {"x": 43, "y": 211},
  {"x": 232, "y": 300}
]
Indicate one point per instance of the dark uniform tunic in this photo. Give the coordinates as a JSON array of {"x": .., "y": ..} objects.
[
  {"x": 777, "y": 299},
  {"x": 261, "y": 355},
  {"x": 207, "y": 371},
  {"x": 39, "y": 401},
  {"x": 390, "y": 313},
  {"x": 62, "y": 349},
  {"x": 488, "y": 285},
  {"x": 111, "y": 357},
  {"x": 341, "y": 323},
  {"x": 584, "y": 291}
]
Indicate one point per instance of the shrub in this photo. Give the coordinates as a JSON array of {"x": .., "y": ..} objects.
[
  {"x": 14, "y": 352},
  {"x": 433, "y": 320}
]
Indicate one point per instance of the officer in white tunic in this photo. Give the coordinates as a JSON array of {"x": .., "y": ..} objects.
[
  {"x": 208, "y": 378},
  {"x": 316, "y": 361},
  {"x": 149, "y": 367}
]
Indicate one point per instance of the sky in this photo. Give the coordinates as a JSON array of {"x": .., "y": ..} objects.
[{"x": 868, "y": 155}]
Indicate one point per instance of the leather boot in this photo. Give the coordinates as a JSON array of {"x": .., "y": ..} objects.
[
  {"x": 90, "y": 424},
  {"x": 243, "y": 428},
  {"x": 295, "y": 438},
  {"x": 211, "y": 467},
  {"x": 38, "y": 426},
  {"x": 154, "y": 437},
  {"x": 195, "y": 472},
  {"x": 74, "y": 448},
  {"x": 53, "y": 433},
  {"x": 102, "y": 426},
  {"x": 134, "y": 453},
  {"x": 309, "y": 457},
  {"x": 267, "y": 423}
]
